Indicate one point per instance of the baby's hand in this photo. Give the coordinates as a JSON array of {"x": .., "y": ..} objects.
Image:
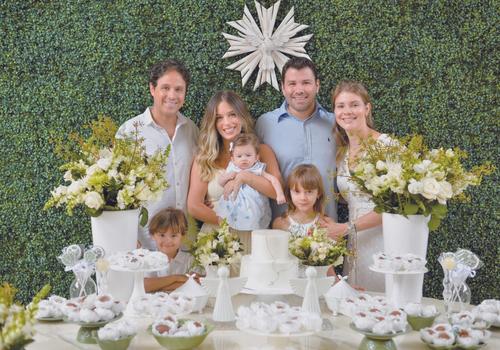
[{"x": 280, "y": 199}]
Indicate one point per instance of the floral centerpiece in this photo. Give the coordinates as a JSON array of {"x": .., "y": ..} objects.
[
  {"x": 217, "y": 247},
  {"x": 403, "y": 176},
  {"x": 317, "y": 249},
  {"x": 108, "y": 173},
  {"x": 16, "y": 321}
]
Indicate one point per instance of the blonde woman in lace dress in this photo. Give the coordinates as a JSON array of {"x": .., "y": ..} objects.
[
  {"x": 226, "y": 116},
  {"x": 354, "y": 124}
]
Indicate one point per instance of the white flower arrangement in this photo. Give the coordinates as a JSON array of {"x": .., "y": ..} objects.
[
  {"x": 16, "y": 321},
  {"x": 317, "y": 249},
  {"x": 217, "y": 247},
  {"x": 104, "y": 173},
  {"x": 402, "y": 176}
]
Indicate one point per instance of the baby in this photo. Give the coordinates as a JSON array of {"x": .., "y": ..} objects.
[{"x": 249, "y": 209}]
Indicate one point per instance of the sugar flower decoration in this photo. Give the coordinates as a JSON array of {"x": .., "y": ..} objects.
[{"x": 263, "y": 47}]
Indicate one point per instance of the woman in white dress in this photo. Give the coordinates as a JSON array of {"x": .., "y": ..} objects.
[
  {"x": 354, "y": 123},
  {"x": 226, "y": 116}
]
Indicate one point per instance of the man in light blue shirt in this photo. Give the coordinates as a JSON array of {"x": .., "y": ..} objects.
[{"x": 301, "y": 130}]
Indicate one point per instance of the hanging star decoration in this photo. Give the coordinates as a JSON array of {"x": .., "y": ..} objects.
[{"x": 263, "y": 47}]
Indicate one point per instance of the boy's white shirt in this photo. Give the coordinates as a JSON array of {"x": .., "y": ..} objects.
[{"x": 179, "y": 265}]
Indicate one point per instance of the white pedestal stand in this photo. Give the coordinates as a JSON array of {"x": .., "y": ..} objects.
[
  {"x": 405, "y": 286},
  {"x": 138, "y": 292},
  {"x": 116, "y": 231}
]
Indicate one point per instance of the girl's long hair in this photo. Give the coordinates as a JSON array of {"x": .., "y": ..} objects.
[{"x": 309, "y": 178}]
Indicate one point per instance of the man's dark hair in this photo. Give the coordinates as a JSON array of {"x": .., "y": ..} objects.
[
  {"x": 160, "y": 68},
  {"x": 298, "y": 63}
]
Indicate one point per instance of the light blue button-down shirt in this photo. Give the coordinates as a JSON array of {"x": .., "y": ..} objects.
[{"x": 296, "y": 141}]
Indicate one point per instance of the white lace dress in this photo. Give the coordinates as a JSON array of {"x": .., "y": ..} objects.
[
  {"x": 250, "y": 209},
  {"x": 366, "y": 242},
  {"x": 298, "y": 229}
]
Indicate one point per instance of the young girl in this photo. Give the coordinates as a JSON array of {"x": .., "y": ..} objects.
[
  {"x": 305, "y": 197},
  {"x": 248, "y": 209},
  {"x": 167, "y": 228}
]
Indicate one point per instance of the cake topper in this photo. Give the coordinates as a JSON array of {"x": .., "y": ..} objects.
[
  {"x": 311, "y": 288},
  {"x": 223, "y": 288}
]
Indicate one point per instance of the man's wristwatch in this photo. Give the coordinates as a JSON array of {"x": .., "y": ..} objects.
[{"x": 351, "y": 228}]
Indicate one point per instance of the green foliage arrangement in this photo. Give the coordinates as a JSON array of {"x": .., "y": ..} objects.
[
  {"x": 402, "y": 176},
  {"x": 316, "y": 249},
  {"x": 431, "y": 68},
  {"x": 217, "y": 247},
  {"x": 108, "y": 173},
  {"x": 17, "y": 321}
]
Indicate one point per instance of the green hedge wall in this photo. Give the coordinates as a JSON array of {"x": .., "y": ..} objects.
[{"x": 431, "y": 67}]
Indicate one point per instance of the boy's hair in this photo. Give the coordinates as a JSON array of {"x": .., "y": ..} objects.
[
  {"x": 307, "y": 176},
  {"x": 244, "y": 139},
  {"x": 169, "y": 218}
]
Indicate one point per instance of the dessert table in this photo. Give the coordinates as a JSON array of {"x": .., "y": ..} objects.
[{"x": 337, "y": 334}]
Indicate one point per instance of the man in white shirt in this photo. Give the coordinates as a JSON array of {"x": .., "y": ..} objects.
[{"x": 162, "y": 125}]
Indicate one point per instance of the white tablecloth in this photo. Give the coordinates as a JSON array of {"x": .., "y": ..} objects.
[{"x": 62, "y": 336}]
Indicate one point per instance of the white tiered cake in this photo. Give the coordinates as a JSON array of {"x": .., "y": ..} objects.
[{"x": 270, "y": 266}]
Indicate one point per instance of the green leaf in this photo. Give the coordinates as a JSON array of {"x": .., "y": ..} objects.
[
  {"x": 434, "y": 222},
  {"x": 439, "y": 210},
  {"x": 410, "y": 208},
  {"x": 92, "y": 212},
  {"x": 143, "y": 217}
]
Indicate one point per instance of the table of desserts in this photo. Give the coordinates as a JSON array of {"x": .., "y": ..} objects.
[{"x": 336, "y": 333}]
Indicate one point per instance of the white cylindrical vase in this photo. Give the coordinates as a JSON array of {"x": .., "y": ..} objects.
[
  {"x": 403, "y": 235},
  {"x": 116, "y": 231}
]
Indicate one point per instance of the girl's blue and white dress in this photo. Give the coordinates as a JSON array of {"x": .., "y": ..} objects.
[{"x": 250, "y": 210}]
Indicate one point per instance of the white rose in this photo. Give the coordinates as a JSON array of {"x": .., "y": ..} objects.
[
  {"x": 60, "y": 191},
  {"x": 105, "y": 153},
  {"x": 422, "y": 167},
  {"x": 214, "y": 257},
  {"x": 394, "y": 169},
  {"x": 113, "y": 174},
  {"x": 449, "y": 153},
  {"x": 445, "y": 192},
  {"x": 76, "y": 187},
  {"x": 68, "y": 176},
  {"x": 380, "y": 165},
  {"x": 415, "y": 187},
  {"x": 104, "y": 163},
  {"x": 92, "y": 169},
  {"x": 143, "y": 192},
  {"x": 431, "y": 188},
  {"x": 93, "y": 200},
  {"x": 236, "y": 245}
]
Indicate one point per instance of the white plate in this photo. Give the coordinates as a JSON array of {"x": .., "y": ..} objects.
[
  {"x": 392, "y": 272},
  {"x": 278, "y": 335},
  {"x": 267, "y": 291},
  {"x": 126, "y": 269}
]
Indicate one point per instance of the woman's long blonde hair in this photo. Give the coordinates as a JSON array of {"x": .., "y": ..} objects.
[
  {"x": 340, "y": 135},
  {"x": 210, "y": 142}
]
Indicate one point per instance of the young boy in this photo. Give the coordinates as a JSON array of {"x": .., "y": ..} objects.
[{"x": 167, "y": 228}]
